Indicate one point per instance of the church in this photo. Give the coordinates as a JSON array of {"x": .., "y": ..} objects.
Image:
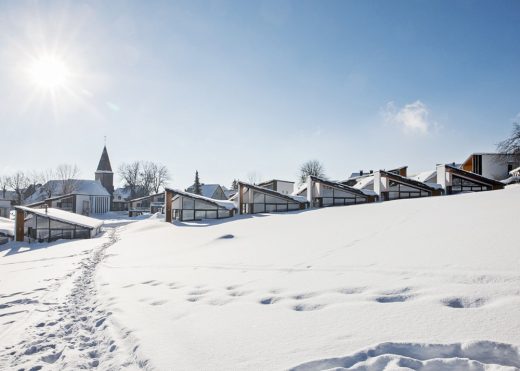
[{"x": 84, "y": 196}]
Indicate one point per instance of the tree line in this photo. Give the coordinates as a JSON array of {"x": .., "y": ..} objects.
[{"x": 143, "y": 178}]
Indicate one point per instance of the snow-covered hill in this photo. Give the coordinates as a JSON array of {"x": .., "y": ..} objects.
[
  {"x": 424, "y": 284},
  {"x": 431, "y": 282}
]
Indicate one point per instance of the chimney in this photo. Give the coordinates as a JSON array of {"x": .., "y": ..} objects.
[
  {"x": 46, "y": 208},
  {"x": 360, "y": 172}
]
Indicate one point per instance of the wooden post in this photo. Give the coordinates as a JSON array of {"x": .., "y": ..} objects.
[
  {"x": 20, "y": 225},
  {"x": 241, "y": 198},
  {"x": 168, "y": 198}
]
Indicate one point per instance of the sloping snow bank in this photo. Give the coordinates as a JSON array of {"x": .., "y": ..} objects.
[{"x": 277, "y": 291}]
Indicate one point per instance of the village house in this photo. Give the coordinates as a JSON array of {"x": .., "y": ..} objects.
[
  {"x": 252, "y": 199},
  {"x": 392, "y": 186},
  {"x": 284, "y": 187},
  {"x": 323, "y": 193},
  {"x": 146, "y": 204},
  {"x": 491, "y": 165},
  {"x": 186, "y": 206},
  {"x": 50, "y": 224},
  {"x": 454, "y": 180},
  {"x": 214, "y": 191},
  {"x": 87, "y": 197}
]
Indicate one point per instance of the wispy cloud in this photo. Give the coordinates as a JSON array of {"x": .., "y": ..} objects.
[{"x": 412, "y": 118}]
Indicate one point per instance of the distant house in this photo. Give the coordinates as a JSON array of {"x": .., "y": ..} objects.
[
  {"x": 491, "y": 165},
  {"x": 150, "y": 204},
  {"x": 229, "y": 192},
  {"x": 186, "y": 206},
  {"x": 49, "y": 224},
  {"x": 428, "y": 177},
  {"x": 454, "y": 180},
  {"x": 5, "y": 208},
  {"x": 252, "y": 199},
  {"x": 392, "y": 186},
  {"x": 284, "y": 187},
  {"x": 87, "y": 197},
  {"x": 214, "y": 191},
  {"x": 120, "y": 199},
  {"x": 365, "y": 179},
  {"x": 323, "y": 193}
]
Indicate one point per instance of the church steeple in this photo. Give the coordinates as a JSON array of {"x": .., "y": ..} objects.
[
  {"x": 104, "y": 161},
  {"x": 104, "y": 172}
]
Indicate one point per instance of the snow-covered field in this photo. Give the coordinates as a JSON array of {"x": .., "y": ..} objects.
[{"x": 424, "y": 284}]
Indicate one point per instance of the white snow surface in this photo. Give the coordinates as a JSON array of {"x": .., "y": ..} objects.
[
  {"x": 430, "y": 283},
  {"x": 421, "y": 284}
]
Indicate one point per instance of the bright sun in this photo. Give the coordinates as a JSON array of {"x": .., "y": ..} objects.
[{"x": 49, "y": 72}]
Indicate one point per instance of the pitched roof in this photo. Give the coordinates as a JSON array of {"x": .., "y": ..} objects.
[
  {"x": 473, "y": 176},
  {"x": 426, "y": 176},
  {"x": 412, "y": 182},
  {"x": 293, "y": 198},
  {"x": 206, "y": 190},
  {"x": 344, "y": 187},
  {"x": 80, "y": 187},
  {"x": 104, "y": 161},
  {"x": 229, "y": 205},
  {"x": 64, "y": 216}
]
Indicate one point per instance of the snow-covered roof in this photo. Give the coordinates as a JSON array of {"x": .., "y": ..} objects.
[
  {"x": 222, "y": 203},
  {"x": 293, "y": 197},
  {"x": 364, "y": 182},
  {"x": 80, "y": 187},
  {"x": 206, "y": 190},
  {"x": 64, "y": 216},
  {"x": 146, "y": 197},
  {"x": 426, "y": 176},
  {"x": 516, "y": 170},
  {"x": 365, "y": 192}
]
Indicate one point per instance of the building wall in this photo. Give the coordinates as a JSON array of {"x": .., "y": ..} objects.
[
  {"x": 99, "y": 204},
  {"x": 495, "y": 167},
  {"x": 285, "y": 188}
]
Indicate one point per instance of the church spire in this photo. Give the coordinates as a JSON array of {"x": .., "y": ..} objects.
[{"x": 104, "y": 161}]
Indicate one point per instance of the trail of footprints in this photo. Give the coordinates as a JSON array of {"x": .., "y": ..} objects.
[{"x": 305, "y": 301}]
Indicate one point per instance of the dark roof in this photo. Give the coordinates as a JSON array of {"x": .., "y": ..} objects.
[
  {"x": 104, "y": 161},
  {"x": 474, "y": 176},
  {"x": 340, "y": 186},
  {"x": 271, "y": 192},
  {"x": 406, "y": 180}
]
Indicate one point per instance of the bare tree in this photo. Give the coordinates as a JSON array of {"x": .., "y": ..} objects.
[
  {"x": 49, "y": 187},
  {"x": 312, "y": 167},
  {"x": 4, "y": 184},
  {"x": 159, "y": 175},
  {"x": 66, "y": 175},
  {"x": 131, "y": 174},
  {"x": 511, "y": 145},
  {"x": 18, "y": 182},
  {"x": 253, "y": 177}
]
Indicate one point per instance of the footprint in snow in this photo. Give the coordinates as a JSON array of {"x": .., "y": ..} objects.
[{"x": 460, "y": 303}]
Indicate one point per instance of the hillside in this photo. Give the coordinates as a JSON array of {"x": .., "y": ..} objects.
[{"x": 418, "y": 283}]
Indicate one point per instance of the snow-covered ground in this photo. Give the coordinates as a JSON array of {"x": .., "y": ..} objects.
[{"x": 424, "y": 284}]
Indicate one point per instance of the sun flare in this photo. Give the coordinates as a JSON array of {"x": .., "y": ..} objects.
[{"x": 49, "y": 72}]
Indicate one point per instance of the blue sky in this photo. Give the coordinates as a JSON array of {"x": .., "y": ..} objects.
[{"x": 235, "y": 87}]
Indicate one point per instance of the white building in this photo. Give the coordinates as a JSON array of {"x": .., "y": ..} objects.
[
  {"x": 213, "y": 191},
  {"x": 284, "y": 187},
  {"x": 86, "y": 197},
  {"x": 491, "y": 165}
]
